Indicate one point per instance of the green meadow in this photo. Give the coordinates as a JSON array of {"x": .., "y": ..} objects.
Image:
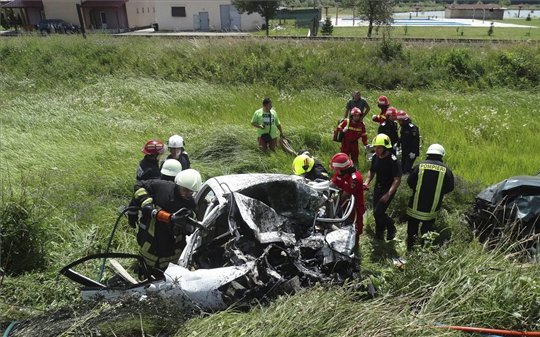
[
  {"x": 75, "y": 114},
  {"x": 530, "y": 31}
]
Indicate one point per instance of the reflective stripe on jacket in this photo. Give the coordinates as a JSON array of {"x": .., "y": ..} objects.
[
  {"x": 159, "y": 242},
  {"x": 430, "y": 180}
]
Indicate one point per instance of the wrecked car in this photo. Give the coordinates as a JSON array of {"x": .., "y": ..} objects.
[
  {"x": 258, "y": 236},
  {"x": 508, "y": 209}
]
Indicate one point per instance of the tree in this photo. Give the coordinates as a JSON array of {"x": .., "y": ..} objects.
[
  {"x": 504, "y": 3},
  {"x": 377, "y": 12},
  {"x": 266, "y": 8},
  {"x": 327, "y": 27}
]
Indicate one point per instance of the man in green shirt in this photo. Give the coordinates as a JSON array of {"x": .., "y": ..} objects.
[{"x": 267, "y": 123}]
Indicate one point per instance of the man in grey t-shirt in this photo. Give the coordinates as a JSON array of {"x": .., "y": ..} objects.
[{"x": 359, "y": 102}]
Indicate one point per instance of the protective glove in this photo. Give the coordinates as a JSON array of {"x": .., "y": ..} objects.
[
  {"x": 398, "y": 151},
  {"x": 147, "y": 213},
  {"x": 365, "y": 186},
  {"x": 412, "y": 155},
  {"x": 345, "y": 129},
  {"x": 133, "y": 216}
]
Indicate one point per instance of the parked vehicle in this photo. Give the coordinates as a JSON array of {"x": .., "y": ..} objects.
[
  {"x": 509, "y": 209},
  {"x": 57, "y": 26},
  {"x": 258, "y": 236}
]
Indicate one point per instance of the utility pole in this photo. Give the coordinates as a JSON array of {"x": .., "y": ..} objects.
[{"x": 81, "y": 20}]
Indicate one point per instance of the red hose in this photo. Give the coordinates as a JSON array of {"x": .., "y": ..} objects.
[{"x": 490, "y": 331}]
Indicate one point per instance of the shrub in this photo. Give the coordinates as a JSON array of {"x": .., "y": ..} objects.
[
  {"x": 517, "y": 68},
  {"x": 22, "y": 234},
  {"x": 461, "y": 65},
  {"x": 390, "y": 49},
  {"x": 327, "y": 27}
]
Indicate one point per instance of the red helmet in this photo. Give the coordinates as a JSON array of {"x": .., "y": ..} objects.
[
  {"x": 153, "y": 147},
  {"x": 391, "y": 112},
  {"x": 403, "y": 116},
  {"x": 340, "y": 161},
  {"x": 383, "y": 101},
  {"x": 355, "y": 111}
]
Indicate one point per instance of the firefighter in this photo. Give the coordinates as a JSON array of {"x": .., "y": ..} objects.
[
  {"x": 308, "y": 167},
  {"x": 429, "y": 181},
  {"x": 349, "y": 180},
  {"x": 166, "y": 207},
  {"x": 176, "y": 147},
  {"x": 388, "y": 126},
  {"x": 386, "y": 169},
  {"x": 354, "y": 129},
  {"x": 409, "y": 141},
  {"x": 149, "y": 165},
  {"x": 169, "y": 169},
  {"x": 383, "y": 103},
  {"x": 359, "y": 102},
  {"x": 267, "y": 121}
]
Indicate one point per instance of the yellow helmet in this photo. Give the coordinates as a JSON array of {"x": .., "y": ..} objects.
[
  {"x": 382, "y": 140},
  {"x": 302, "y": 164}
]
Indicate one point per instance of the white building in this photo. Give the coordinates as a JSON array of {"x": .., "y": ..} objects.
[
  {"x": 204, "y": 15},
  {"x": 123, "y": 15}
]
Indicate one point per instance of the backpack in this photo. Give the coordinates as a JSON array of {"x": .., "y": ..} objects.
[{"x": 338, "y": 135}]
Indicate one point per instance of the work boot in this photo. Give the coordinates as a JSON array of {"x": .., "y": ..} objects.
[{"x": 391, "y": 232}]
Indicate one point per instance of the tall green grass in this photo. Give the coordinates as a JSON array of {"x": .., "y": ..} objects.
[
  {"x": 330, "y": 65},
  {"x": 75, "y": 114}
]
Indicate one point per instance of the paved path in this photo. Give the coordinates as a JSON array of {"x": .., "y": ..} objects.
[{"x": 151, "y": 32}]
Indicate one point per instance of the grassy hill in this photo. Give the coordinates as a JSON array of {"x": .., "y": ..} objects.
[{"x": 75, "y": 114}]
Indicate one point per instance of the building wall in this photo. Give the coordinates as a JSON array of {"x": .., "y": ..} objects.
[
  {"x": 33, "y": 16},
  {"x": 496, "y": 14},
  {"x": 190, "y": 22},
  {"x": 61, "y": 9},
  {"x": 115, "y": 19},
  {"x": 141, "y": 13}
]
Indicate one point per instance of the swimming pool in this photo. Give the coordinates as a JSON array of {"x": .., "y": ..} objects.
[{"x": 426, "y": 22}]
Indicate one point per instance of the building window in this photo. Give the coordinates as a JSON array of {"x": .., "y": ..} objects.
[
  {"x": 148, "y": 10},
  {"x": 143, "y": 10},
  {"x": 137, "y": 10},
  {"x": 178, "y": 11},
  {"x": 154, "y": 9}
]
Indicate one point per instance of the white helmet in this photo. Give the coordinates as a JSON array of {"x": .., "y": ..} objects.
[
  {"x": 190, "y": 179},
  {"x": 175, "y": 142},
  {"x": 436, "y": 149},
  {"x": 171, "y": 167}
]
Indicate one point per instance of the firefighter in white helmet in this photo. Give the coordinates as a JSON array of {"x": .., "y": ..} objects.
[
  {"x": 167, "y": 210},
  {"x": 430, "y": 181},
  {"x": 170, "y": 168},
  {"x": 176, "y": 148}
]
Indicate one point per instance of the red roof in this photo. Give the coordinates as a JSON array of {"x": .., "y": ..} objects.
[
  {"x": 103, "y": 3},
  {"x": 24, "y": 4}
]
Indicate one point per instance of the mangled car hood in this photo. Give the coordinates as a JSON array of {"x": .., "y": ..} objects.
[{"x": 521, "y": 192}]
